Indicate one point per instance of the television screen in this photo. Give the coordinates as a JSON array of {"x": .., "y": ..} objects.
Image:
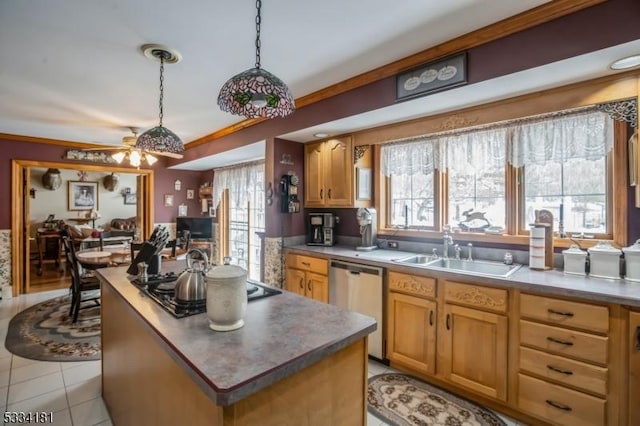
[{"x": 199, "y": 227}]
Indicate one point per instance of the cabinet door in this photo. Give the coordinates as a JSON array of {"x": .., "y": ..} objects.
[
  {"x": 475, "y": 350},
  {"x": 338, "y": 155},
  {"x": 295, "y": 281},
  {"x": 411, "y": 335},
  {"x": 634, "y": 368},
  {"x": 318, "y": 287},
  {"x": 314, "y": 192}
]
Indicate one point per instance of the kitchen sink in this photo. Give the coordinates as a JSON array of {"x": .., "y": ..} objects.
[
  {"x": 418, "y": 259},
  {"x": 473, "y": 267}
]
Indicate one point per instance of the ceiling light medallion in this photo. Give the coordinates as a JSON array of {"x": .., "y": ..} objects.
[
  {"x": 159, "y": 138},
  {"x": 256, "y": 93}
]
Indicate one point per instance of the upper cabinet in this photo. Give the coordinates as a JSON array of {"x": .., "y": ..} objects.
[{"x": 331, "y": 171}]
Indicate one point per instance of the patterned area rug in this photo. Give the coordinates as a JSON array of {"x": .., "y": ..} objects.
[
  {"x": 403, "y": 400},
  {"x": 44, "y": 332}
]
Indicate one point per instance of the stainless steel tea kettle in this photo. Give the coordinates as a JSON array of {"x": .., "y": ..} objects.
[{"x": 191, "y": 286}]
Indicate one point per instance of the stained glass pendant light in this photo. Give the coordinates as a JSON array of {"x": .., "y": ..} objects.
[
  {"x": 256, "y": 93},
  {"x": 160, "y": 138}
]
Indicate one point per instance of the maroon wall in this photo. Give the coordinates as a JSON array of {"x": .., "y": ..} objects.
[
  {"x": 278, "y": 223},
  {"x": 164, "y": 178},
  {"x": 607, "y": 24}
]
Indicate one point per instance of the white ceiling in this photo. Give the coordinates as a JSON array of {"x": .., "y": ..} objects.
[{"x": 72, "y": 69}]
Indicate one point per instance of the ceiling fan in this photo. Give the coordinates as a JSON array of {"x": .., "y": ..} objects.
[{"x": 128, "y": 151}]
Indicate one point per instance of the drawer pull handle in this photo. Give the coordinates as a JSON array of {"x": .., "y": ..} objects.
[
  {"x": 558, "y": 405},
  {"x": 306, "y": 263},
  {"x": 560, "y": 342},
  {"x": 448, "y": 322},
  {"x": 559, "y": 370},
  {"x": 431, "y": 317},
  {"x": 564, "y": 314}
]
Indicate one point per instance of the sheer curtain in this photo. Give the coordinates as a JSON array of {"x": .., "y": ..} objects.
[
  {"x": 585, "y": 133},
  {"x": 239, "y": 180},
  {"x": 408, "y": 158}
]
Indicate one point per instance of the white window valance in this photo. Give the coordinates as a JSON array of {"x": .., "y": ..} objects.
[
  {"x": 408, "y": 158},
  {"x": 586, "y": 133},
  {"x": 239, "y": 180}
]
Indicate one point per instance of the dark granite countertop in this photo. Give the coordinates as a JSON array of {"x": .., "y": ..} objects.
[
  {"x": 282, "y": 335},
  {"x": 553, "y": 281}
]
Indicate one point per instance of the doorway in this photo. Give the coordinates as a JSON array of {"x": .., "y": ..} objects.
[{"x": 21, "y": 189}]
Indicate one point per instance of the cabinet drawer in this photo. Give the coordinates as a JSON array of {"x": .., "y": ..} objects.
[
  {"x": 567, "y": 371},
  {"x": 308, "y": 263},
  {"x": 559, "y": 405},
  {"x": 412, "y": 284},
  {"x": 562, "y": 341},
  {"x": 563, "y": 312},
  {"x": 493, "y": 299}
]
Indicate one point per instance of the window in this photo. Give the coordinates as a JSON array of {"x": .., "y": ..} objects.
[
  {"x": 411, "y": 183},
  {"x": 243, "y": 214},
  {"x": 563, "y": 162}
]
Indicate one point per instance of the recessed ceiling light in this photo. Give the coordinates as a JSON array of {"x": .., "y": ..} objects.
[
  {"x": 625, "y": 63},
  {"x": 321, "y": 135}
]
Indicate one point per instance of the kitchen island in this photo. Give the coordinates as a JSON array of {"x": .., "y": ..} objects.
[{"x": 296, "y": 361}]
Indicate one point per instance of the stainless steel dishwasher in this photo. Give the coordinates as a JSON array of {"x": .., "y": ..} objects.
[{"x": 358, "y": 288}]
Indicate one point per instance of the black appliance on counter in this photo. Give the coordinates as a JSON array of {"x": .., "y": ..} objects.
[
  {"x": 321, "y": 229},
  {"x": 160, "y": 288}
]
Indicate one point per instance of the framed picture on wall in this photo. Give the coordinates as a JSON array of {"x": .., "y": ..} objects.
[
  {"x": 129, "y": 198},
  {"x": 190, "y": 194},
  {"x": 82, "y": 195},
  {"x": 168, "y": 200}
]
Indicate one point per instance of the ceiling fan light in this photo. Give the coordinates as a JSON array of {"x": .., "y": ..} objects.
[
  {"x": 118, "y": 156},
  {"x": 134, "y": 158},
  {"x": 160, "y": 139},
  {"x": 150, "y": 159}
]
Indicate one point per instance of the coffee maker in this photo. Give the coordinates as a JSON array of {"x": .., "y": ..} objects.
[
  {"x": 321, "y": 229},
  {"x": 367, "y": 221}
]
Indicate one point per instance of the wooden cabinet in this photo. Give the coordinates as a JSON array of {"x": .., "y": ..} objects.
[
  {"x": 634, "y": 368},
  {"x": 307, "y": 276},
  {"x": 330, "y": 173},
  {"x": 475, "y": 340},
  {"x": 411, "y": 328},
  {"x": 563, "y": 374}
]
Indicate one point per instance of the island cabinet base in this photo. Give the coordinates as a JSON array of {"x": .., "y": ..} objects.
[{"x": 143, "y": 384}]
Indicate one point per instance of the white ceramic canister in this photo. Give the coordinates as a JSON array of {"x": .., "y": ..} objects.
[
  {"x": 632, "y": 261},
  {"x": 575, "y": 260},
  {"x": 604, "y": 261},
  {"x": 226, "y": 296}
]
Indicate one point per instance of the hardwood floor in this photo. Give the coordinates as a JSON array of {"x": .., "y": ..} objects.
[{"x": 51, "y": 278}]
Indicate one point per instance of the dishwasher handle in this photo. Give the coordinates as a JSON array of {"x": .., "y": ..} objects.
[{"x": 355, "y": 269}]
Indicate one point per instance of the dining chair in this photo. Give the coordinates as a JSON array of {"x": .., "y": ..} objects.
[{"x": 84, "y": 288}]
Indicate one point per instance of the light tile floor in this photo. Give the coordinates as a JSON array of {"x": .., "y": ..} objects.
[{"x": 72, "y": 390}]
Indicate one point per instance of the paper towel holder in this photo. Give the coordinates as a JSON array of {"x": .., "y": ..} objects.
[{"x": 544, "y": 219}]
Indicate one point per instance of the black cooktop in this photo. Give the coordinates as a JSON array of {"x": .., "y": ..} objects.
[{"x": 161, "y": 288}]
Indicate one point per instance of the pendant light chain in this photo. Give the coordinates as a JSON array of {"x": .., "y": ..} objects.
[
  {"x": 161, "y": 87},
  {"x": 258, "y": 20}
]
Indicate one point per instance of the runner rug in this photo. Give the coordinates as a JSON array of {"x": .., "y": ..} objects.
[
  {"x": 399, "y": 399},
  {"x": 45, "y": 332}
]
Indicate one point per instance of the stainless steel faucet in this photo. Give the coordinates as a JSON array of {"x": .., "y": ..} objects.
[
  {"x": 457, "y": 250},
  {"x": 447, "y": 240},
  {"x": 469, "y": 256}
]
